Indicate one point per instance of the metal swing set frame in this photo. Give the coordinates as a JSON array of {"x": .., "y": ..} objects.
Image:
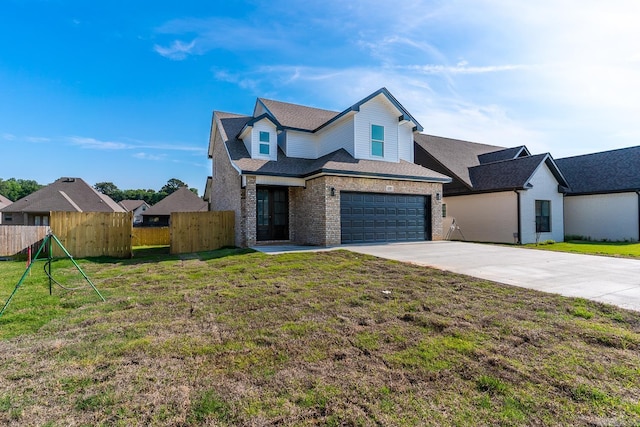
[{"x": 48, "y": 240}]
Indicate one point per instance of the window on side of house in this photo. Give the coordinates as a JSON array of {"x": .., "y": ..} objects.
[
  {"x": 543, "y": 216},
  {"x": 264, "y": 142},
  {"x": 444, "y": 210},
  {"x": 8, "y": 218},
  {"x": 377, "y": 140}
]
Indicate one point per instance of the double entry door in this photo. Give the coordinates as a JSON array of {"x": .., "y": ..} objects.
[{"x": 272, "y": 212}]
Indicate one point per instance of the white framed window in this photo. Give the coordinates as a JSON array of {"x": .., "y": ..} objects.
[
  {"x": 264, "y": 143},
  {"x": 377, "y": 141}
]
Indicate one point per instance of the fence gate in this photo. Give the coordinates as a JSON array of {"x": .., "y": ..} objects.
[{"x": 92, "y": 234}]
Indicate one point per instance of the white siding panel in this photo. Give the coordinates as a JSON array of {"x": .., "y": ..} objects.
[
  {"x": 377, "y": 111},
  {"x": 491, "y": 217},
  {"x": 301, "y": 145},
  {"x": 545, "y": 187},
  {"x": 405, "y": 142},
  {"x": 264, "y": 126},
  {"x": 247, "y": 144},
  {"x": 336, "y": 136},
  {"x": 602, "y": 216}
]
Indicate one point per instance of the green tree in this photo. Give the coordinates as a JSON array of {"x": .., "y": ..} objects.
[
  {"x": 15, "y": 189},
  {"x": 172, "y": 185},
  {"x": 110, "y": 189}
]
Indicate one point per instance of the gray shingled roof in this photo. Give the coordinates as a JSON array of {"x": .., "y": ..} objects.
[
  {"x": 506, "y": 154},
  {"x": 298, "y": 116},
  {"x": 337, "y": 162},
  {"x": 455, "y": 155},
  {"x": 506, "y": 174},
  {"x": 4, "y": 202},
  {"x": 65, "y": 195},
  {"x": 181, "y": 200},
  {"x": 604, "y": 172},
  {"x": 131, "y": 205}
]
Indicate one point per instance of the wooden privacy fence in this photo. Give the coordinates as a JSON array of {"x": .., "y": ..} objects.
[
  {"x": 17, "y": 238},
  {"x": 201, "y": 231},
  {"x": 150, "y": 236},
  {"x": 90, "y": 234}
]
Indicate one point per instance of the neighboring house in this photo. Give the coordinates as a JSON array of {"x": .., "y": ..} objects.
[
  {"x": 603, "y": 202},
  {"x": 138, "y": 207},
  {"x": 181, "y": 200},
  {"x": 4, "y": 202},
  {"x": 64, "y": 195},
  {"x": 310, "y": 176},
  {"x": 497, "y": 194}
]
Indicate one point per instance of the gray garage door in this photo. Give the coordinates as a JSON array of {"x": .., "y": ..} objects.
[{"x": 373, "y": 217}]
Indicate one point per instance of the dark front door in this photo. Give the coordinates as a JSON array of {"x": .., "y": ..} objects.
[{"x": 272, "y": 213}]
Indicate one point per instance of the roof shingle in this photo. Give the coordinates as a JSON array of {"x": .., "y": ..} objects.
[{"x": 604, "y": 172}]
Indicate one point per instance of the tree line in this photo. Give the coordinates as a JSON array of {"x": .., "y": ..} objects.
[{"x": 15, "y": 189}]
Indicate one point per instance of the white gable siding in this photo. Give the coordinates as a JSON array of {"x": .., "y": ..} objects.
[
  {"x": 301, "y": 145},
  {"x": 545, "y": 187},
  {"x": 336, "y": 136},
  {"x": 491, "y": 217},
  {"x": 377, "y": 111},
  {"x": 603, "y": 216},
  {"x": 405, "y": 142},
  {"x": 264, "y": 126}
]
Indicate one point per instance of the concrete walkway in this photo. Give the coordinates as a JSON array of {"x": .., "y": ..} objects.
[{"x": 605, "y": 279}]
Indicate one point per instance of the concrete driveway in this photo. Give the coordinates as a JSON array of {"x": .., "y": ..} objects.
[
  {"x": 605, "y": 279},
  {"x": 609, "y": 280}
]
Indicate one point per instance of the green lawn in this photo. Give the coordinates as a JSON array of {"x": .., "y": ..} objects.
[
  {"x": 619, "y": 249},
  {"x": 333, "y": 338}
]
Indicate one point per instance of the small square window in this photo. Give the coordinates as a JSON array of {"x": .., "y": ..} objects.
[
  {"x": 264, "y": 148},
  {"x": 264, "y": 136}
]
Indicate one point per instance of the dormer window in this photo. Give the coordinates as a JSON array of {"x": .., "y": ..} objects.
[
  {"x": 377, "y": 140},
  {"x": 264, "y": 143}
]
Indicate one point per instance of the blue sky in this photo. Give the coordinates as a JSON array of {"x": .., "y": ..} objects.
[{"x": 123, "y": 91}]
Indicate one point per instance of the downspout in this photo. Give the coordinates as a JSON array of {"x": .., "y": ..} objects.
[{"x": 519, "y": 218}]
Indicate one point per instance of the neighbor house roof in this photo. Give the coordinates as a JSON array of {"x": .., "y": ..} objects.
[
  {"x": 511, "y": 174},
  {"x": 604, "y": 172},
  {"x": 131, "y": 205},
  {"x": 181, "y": 200},
  {"x": 339, "y": 162},
  {"x": 65, "y": 195},
  {"x": 455, "y": 155},
  {"x": 4, "y": 202},
  {"x": 482, "y": 167}
]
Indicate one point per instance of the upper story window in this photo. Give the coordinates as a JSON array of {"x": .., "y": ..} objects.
[
  {"x": 377, "y": 140},
  {"x": 543, "y": 216},
  {"x": 264, "y": 142}
]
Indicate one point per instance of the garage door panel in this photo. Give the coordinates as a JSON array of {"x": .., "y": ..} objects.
[{"x": 370, "y": 217}]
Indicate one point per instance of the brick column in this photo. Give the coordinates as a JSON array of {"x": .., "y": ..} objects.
[{"x": 250, "y": 201}]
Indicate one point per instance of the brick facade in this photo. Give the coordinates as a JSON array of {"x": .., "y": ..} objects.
[{"x": 316, "y": 213}]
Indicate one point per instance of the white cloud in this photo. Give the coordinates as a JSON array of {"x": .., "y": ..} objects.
[
  {"x": 37, "y": 139},
  {"x": 8, "y": 137},
  {"x": 147, "y": 156},
  {"x": 178, "y": 50},
  {"x": 96, "y": 144}
]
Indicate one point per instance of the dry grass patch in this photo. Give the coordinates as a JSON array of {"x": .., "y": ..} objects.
[{"x": 334, "y": 338}]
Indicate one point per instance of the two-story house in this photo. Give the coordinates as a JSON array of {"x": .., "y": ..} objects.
[{"x": 311, "y": 176}]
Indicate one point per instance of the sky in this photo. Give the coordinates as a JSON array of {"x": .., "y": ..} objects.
[{"x": 123, "y": 91}]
